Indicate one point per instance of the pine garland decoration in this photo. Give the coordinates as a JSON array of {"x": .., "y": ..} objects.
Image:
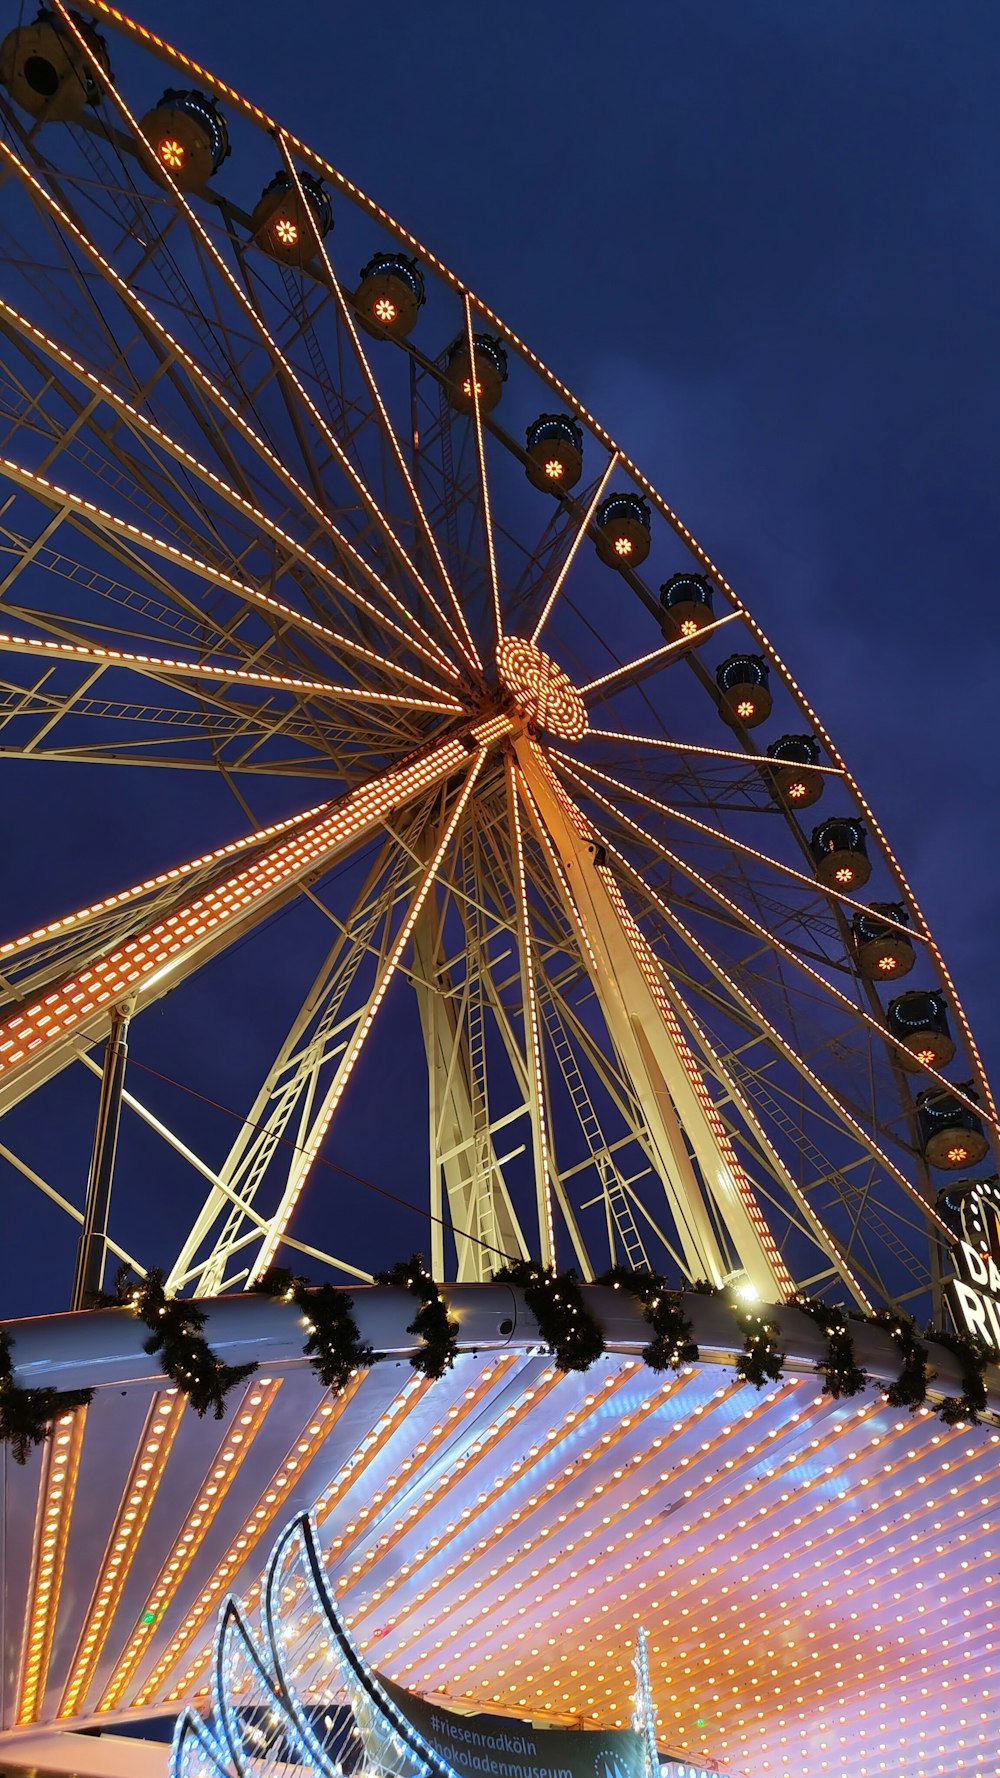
[
  {"x": 760, "y": 1362},
  {"x": 564, "y": 1321},
  {"x": 431, "y": 1323},
  {"x": 334, "y": 1348},
  {"x": 673, "y": 1344},
  {"x": 185, "y": 1355},
  {"x": 27, "y": 1416},
  {"x": 973, "y": 1359},
  {"x": 840, "y": 1372},
  {"x": 910, "y": 1388},
  {"x": 336, "y": 1351}
]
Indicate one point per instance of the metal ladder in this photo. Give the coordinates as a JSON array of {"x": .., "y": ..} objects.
[
  {"x": 851, "y": 1193},
  {"x": 487, "y": 1255},
  {"x": 613, "y": 1188}
]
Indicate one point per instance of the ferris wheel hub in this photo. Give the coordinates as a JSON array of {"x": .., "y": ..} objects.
[{"x": 541, "y": 689}]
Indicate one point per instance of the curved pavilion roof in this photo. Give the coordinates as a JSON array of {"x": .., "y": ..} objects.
[{"x": 817, "y": 1578}]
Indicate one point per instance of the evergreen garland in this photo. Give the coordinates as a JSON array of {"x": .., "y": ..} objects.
[
  {"x": 910, "y": 1388},
  {"x": 760, "y": 1362},
  {"x": 431, "y": 1323},
  {"x": 564, "y": 1321},
  {"x": 841, "y": 1374},
  {"x": 673, "y": 1344},
  {"x": 185, "y": 1355},
  {"x": 27, "y": 1416},
  {"x": 334, "y": 1348},
  {"x": 973, "y": 1359}
]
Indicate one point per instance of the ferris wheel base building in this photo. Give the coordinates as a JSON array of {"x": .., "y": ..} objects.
[{"x": 813, "y": 1576}]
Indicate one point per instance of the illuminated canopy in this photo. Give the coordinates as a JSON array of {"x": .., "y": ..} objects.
[{"x": 814, "y": 1575}]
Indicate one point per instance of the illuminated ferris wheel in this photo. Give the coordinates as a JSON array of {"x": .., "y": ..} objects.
[{"x": 289, "y": 510}]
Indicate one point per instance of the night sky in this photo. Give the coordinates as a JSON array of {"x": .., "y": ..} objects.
[{"x": 760, "y": 242}]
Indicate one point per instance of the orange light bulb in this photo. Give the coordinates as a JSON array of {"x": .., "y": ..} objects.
[
  {"x": 887, "y": 965},
  {"x": 957, "y": 1155},
  {"x": 286, "y": 231},
  {"x": 623, "y": 546},
  {"x": 689, "y": 627},
  {"x": 745, "y": 707},
  {"x": 385, "y": 310},
  {"x": 467, "y": 386},
  {"x": 796, "y": 791},
  {"x": 171, "y": 152},
  {"x": 554, "y": 469},
  {"x": 845, "y": 874}
]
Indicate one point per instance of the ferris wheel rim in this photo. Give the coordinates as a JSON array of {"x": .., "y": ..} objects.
[{"x": 114, "y": 17}]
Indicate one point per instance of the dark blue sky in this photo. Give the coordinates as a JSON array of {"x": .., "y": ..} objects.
[{"x": 760, "y": 242}]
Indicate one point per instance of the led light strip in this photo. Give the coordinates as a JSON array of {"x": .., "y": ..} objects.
[
  {"x": 367, "y": 499},
  {"x": 120, "y": 657},
  {"x": 427, "y": 647},
  {"x": 310, "y": 1441},
  {"x": 148, "y": 1465},
  {"x": 66, "y": 1007},
  {"x": 581, "y": 533},
  {"x": 761, "y": 761},
  {"x": 537, "y": 1453},
  {"x": 56, "y": 1488},
  {"x": 369, "y": 1448},
  {"x": 429, "y": 1447},
  {"x": 649, "y": 661},
  {"x": 158, "y": 882},
  {"x": 532, "y": 1033},
  {"x": 345, "y": 1068},
  {"x": 484, "y": 490},
  {"x": 246, "y": 1424},
  {"x": 252, "y": 594},
  {"x": 155, "y": 1442},
  {"x": 464, "y": 642}
]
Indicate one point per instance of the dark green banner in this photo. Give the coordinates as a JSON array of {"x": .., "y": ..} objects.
[{"x": 499, "y": 1747}]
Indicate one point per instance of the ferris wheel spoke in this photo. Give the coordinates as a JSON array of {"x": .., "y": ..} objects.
[
  {"x": 581, "y": 531},
  {"x": 484, "y": 487},
  {"x": 641, "y": 742},
  {"x": 532, "y": 1028},
  {"x": 758, "y": 1021},
  {"x": 634, "y": 672},
  {"x": 317, "y": 1033},
  {"x": 157, "y": 438},
  {"x": 771, "y": 941},
  {"x": 647, "y": 1035},
  {"x": 172, "y": 350},
  {"x": 103, "y": 520},
  {"x": 463, "y": 640},
  {"x": 249, "y": 309},
  {"x": 584, "y": 775},
  {"x": 227, "y": 674},
  {"x": 38, "y": 1040},
  {"x": 324, "y": 1114}
]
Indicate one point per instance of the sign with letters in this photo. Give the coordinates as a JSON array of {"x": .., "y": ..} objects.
[{"x": 974, "y": 1293}]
